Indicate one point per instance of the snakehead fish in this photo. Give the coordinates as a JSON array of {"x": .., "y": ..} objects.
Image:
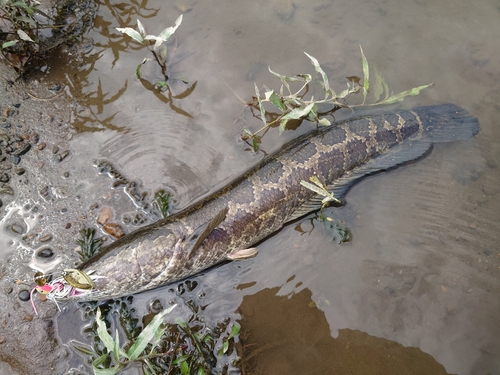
[{"x": 225, "y": 225}]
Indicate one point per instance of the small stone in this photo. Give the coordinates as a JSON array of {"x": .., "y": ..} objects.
[
  {"x": 17, "y": 228},
  {"x": 4, "y": 177},
  {"x": 24, "y": 295},
  {"x": 23, "y": 149},
  {"x": 66, "y": 174},
  {"x": 114, "y": 229},
  {"x": 45, "y": 238},
  {"x": 45, "y": 253},
  {"x": 45, "y": 191},
  {"x": 41, "y": 146},
  {"x": 19, "y": 171},
  {"x": 104, "y": 216},
  {"x": 16, "y": 159},
  {"x": 55, "y": 149},
  {"x": 68, "y": 225},
  {"x": 17, "y": 105}
]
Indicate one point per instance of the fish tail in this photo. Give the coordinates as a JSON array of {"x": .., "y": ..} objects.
[{"x": 446, "y": 123}]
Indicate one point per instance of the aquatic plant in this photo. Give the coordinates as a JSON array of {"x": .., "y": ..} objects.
[
  {"x": 291, "y": 105},
  {"x": 88, "y": 244},
  {"x": 156, "y": 44},
  {"x": 161, "y": 202},
  {"x": 24, "y": 26},
  {"x": 185, "y": 347},
  {"x": 320, "y": 188}
]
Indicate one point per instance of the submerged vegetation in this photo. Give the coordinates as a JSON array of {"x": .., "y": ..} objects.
[
  {"x": 292, "y": 106},
  {"x": 190, "y": 346}
]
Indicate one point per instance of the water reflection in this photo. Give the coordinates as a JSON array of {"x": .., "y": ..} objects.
[{"x": 290, "y": 335}]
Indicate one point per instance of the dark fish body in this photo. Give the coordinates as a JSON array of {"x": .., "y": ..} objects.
[{"x": 270, "y": 194}]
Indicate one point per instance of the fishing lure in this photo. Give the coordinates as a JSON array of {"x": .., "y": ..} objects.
[{"x": 72, "y": 283}]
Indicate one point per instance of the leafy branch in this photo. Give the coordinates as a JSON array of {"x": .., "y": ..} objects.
[
  {"x": 156, "y": 44},
  {"x": 292, "y": 105},
  {"x": 320, "y": 188}
]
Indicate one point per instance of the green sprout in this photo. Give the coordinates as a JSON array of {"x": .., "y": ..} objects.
[
  {"x": 161, "y": 202},
  {"x": 291, "y": 105},
  {"x": 320, "y": 188},
  {"x": 88, "y": 244},
  {"x": 156, "y": 44}
]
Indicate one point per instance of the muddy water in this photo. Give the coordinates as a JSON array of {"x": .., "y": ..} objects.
[{"x": 423, "y": 269}]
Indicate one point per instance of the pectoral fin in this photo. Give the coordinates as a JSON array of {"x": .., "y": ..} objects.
[
  {"x": 243, "y": 254},
  {"x": 194, "y": 241}
]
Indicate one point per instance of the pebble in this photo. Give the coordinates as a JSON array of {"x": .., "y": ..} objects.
[
  {"x": 46, "y": 237},
  {"x": 23, "y": 149},
  {"x": 17, "y": 228},
  {"x": 114, "y": 229},
  {"x": 24, "y": 295},
  {"x": 19, "y": 171},
  {"x": 41, "y": 146},
  {"x": 68, "y": 225},
  {"x": 45, "y": 253},
  {"x": 104, "y": 216}
]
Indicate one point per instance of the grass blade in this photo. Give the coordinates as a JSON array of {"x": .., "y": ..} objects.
[
  {"x": 147, "y": 334},
  {"x": 366, "y": 74}
]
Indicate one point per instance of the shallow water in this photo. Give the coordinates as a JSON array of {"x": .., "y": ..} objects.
[{"x": 423, "y": 269}]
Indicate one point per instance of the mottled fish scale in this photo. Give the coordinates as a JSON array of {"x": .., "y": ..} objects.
[{"x": 259, "y": 202}]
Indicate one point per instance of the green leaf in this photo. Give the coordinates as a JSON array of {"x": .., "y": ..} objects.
[
  {"x": 400, "y": 97},
  {"x": 317, "y": 189},
  {"x": 180, "y": 359},
  {"x": 24, "y": 36},
  {"x": 107, "y": 371},
  {"x": 131, "y": 33},
  {"x": 200, "y": 371},
  {"x": 105, "y": 337},
  {"x": 9, "y": 43},
  {"x": 163, "y": 85},
  {"x": 295, "y": 114},
  {"x": 22, "y": 4},
  {"x": 165, "y": 34},
  {"x": 366, "y": 74},
  {"x": 261, "y": 107},
  {"x": 277, "y": 101},
  {"x": 147, "y": 334},
  {"x": 317, "y": 67},
  {"x": 184, "y": 368},
  {"x": 158, "y": 335},
  {"x": 98, "y": 361},
  {"x": 285, "y": 80},
  {"x": 324, "y": 121},
  {"x": 84, "y": 349},
  {"x": 116, "y": 349},
  {"x": 28, "y": 20},
  {"x": 141, "y": 28}
]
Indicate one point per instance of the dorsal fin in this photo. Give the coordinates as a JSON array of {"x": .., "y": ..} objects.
[
  {"x": 194, "y": 241},
  {"x": 406, "y": 151}
]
